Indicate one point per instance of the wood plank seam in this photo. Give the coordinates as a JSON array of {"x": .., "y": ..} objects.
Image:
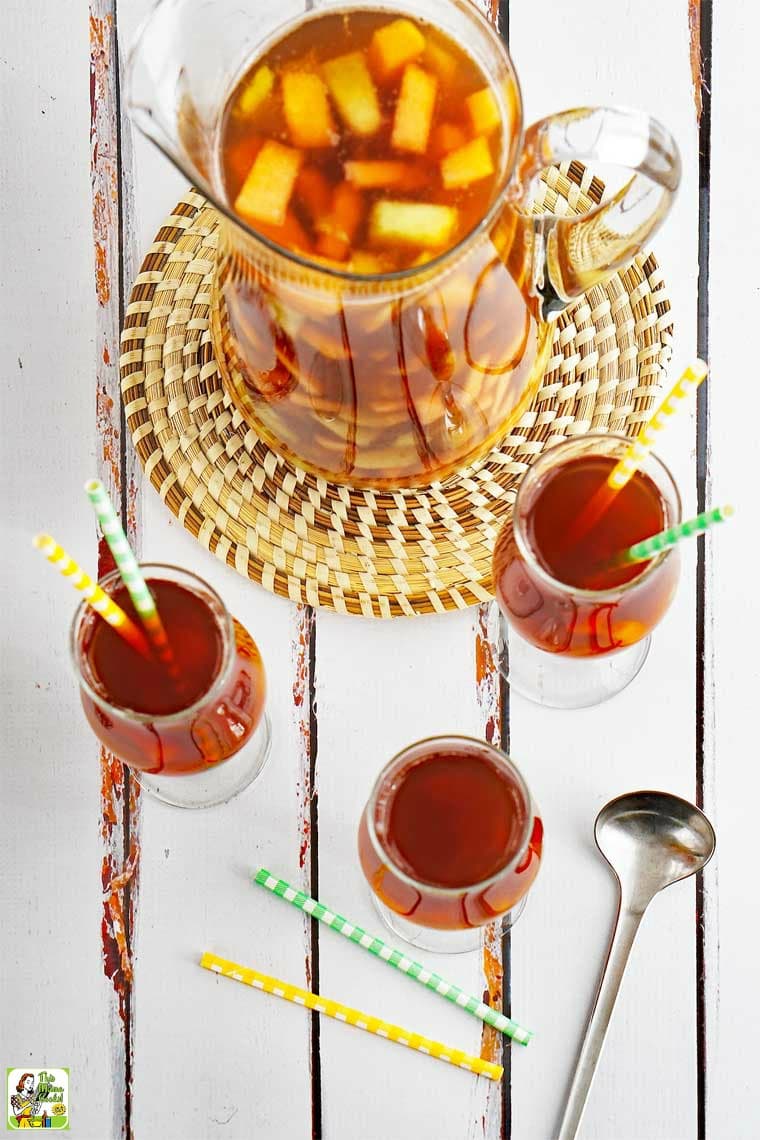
[
  {"x": 304, "y": 698},
  {"x": 700, "y": 28},
  {"x": 493, "y": 698},
  {"x": 114, "y": 256}
]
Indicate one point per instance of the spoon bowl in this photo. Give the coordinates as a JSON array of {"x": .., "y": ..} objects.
[{"x": 652, "y": 839}]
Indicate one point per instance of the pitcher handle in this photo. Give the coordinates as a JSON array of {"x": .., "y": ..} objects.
[{"x": 573, "y": 253}]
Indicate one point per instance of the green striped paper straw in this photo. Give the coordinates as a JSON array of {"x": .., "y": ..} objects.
[
  {"x": 648, "y": 547},
  {"x": 393, "y": 957},
  {"x": 130, "y": 572}
]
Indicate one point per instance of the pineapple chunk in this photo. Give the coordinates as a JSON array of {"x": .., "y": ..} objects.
[
  {"x": 442, "y": 62},
  {"x": 257, "y": 89},
  {"x": 269, "y": 184},
  {"x": 313, "y": 192},
  {"x": 484, "y": 111},
  {"x": 446, "y": 137},
  {"x": 414, "y": 110},
  {"x": 393, "y": 46},
  {"x": 412, "y": 223},
  {"x": 376, "y": 174},
  {"x": 469, "y": 163},
  {"x": 338, "y": 229},
  {"x": 307, "y": 111},
  {"x": 351, "y": 86}
]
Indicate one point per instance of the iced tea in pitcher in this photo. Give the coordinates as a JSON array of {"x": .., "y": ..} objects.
[
  {"x": 370, "y": 145},
  {"x": 382, "y": 294}
]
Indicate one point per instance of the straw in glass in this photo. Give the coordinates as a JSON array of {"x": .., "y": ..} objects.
[
  {"x": 350, "y": 1016},
  {"x": 92, "y": 593},
  {"x": 649, "y": 547},
  {"x": 634, "y": 456},
  {"x": 130, "y": 572},
  {"x": 393, "y": 957}
]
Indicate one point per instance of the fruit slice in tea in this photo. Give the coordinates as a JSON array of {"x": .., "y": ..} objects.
[
  {"x": 266, "y": 191},
  {"x": 414, "y": 110},
  {"x": 412, "y": 223},
  {"x": 351, "y": 87},
  {"x": 307, "y": 110},
  {"x": 360, "y": 131},
  {"x": 393, "y": 46},
  {"x": 470, "y": 163}
]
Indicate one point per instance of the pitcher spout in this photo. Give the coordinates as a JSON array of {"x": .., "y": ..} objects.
[{"x": 176, "y": 76}]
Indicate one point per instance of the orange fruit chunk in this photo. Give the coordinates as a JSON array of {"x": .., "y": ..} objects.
[
  {"x": 338, "y": 229},
  {"x": 446, "y": 137},
  {"x": 373, "y": 174}
]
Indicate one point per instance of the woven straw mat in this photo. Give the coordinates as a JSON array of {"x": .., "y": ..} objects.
[{"x": 374, "y": 552}]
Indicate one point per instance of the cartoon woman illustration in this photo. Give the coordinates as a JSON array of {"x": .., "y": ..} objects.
[{"x": 26, "y": 1104}]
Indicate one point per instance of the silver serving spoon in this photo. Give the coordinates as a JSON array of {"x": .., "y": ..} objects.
[{"x": 650, "y": 839}]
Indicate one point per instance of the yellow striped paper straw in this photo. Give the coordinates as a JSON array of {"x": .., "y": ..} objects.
[
  {"x": 350, "y": 1016},
  {"x": 647, "y": 437},
  {"x": 130, "y": 572},
  {"x": 92, "y": 593}
]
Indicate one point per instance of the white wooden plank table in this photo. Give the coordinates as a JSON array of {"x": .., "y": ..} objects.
[{"x": 157, "y": 1049}]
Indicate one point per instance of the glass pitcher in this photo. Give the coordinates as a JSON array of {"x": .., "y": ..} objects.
[{"x": 397, "y": 379}]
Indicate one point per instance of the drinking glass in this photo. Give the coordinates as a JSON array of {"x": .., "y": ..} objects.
[
  {"x": 564, "y": 646},
  {"x": 203, "y": 754},
  {"x": 447, "y": 919}
]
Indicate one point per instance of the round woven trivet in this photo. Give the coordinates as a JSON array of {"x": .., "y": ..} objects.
[{"x": 378, "y": 553}]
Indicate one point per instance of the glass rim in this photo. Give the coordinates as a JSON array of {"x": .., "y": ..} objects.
[
  {"x": 399, "y": 275},
  {"x": 528, "y": 554},
  {"x": 504, "y": 761},
  {"x": 226, "y": 629}
]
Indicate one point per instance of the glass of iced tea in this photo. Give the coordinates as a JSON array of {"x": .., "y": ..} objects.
[
  {"x": 575, "y": 623},
  {"x": 449, "y": 841},
  {"x": 382, "y": 294},
  {"x": 197, "y": 735}
]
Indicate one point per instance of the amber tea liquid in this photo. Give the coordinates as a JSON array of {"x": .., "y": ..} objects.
[
  {"x": 368, "y": 144},
  {"x": 451, "y": 840},
  {"x": 160, "y": 723},
  {"x": 562, "y": 590},
  {"x": 363, "y": 110}
]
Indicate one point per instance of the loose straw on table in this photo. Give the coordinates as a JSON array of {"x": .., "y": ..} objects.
[
  {"x": 130, "y": 572},
  {"x": 393, "y": 957},
  {"x": 350, "y": 1016},
  {"x": 647, "y": 437},
  {"x": 92, "y": 593},
  {"x": 649, "y": 547}
]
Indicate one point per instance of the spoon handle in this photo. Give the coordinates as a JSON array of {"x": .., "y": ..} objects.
[{"x": 626, "y": 927}]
